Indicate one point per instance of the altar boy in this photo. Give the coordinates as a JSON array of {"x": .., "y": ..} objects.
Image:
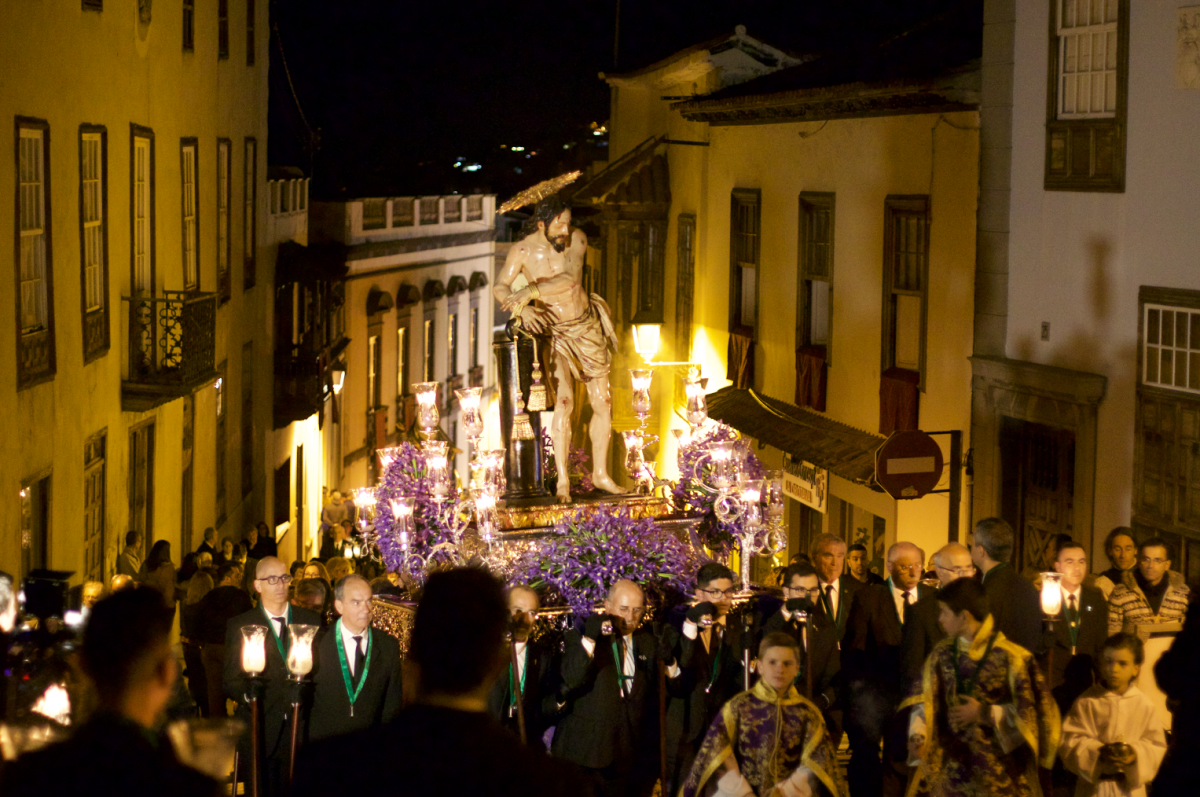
[{"x": 1113, "y": 738}]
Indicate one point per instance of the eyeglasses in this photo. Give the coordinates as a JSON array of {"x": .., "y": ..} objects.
[
  {"x": 1155, "y": 561},
  {"x": 275, "y": 580},
  {"x": 812, "y": 593},
  {"x": 961, "y": 572},
  {"x": 716, "y": 593},
  {"x": 911, "y": 568}
]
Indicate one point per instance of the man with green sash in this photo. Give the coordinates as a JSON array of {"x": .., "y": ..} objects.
[
  {"x": 357, "y": 669},
  {"x": 271, "y": 580}
]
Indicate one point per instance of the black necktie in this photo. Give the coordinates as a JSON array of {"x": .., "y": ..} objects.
[
  {"x": 360, "y": 658},
  {"x": 283, "y": 633},
  {"x": 1073, "y": 611},
  {"x": 829, "y": 603}
]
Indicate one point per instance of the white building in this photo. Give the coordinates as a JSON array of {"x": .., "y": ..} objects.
[{"x": 1086, "y": 383}]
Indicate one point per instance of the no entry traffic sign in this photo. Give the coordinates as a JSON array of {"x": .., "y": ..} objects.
[{"x": 908, "y": 464}]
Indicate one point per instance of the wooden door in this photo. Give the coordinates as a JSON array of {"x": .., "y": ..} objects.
[{"x": 1047, "y": 480}]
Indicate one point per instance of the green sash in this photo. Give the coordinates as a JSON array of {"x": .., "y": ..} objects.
[
  {"x": 274, "y": 635},
  {"x": 351, "y": 692}
]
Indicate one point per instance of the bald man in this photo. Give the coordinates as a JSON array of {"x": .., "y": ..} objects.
[
  {"x": 871, "y": 658},
  {"x": 921, "y": 629},
  {"x": 610, "y": 684},
  {"x": 536, "y": 674},
  {"x": 271, "y": 579}
]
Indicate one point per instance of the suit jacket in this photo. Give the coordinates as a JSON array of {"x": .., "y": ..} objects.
[
  {"x": 599, "y": 726},
  {"x": 872, "y": 645},
  {"x": 538, "y": 698},
  {"x": 208, "y": 549},
  {"x": 275, "y": 703},
  {"x": 848, "y": 587},
  {"x": 1073, "y": 674},
  {"x": 921, "y": 633},
  {"x": 380, "y": 699},
  {"x": 1016, "y": 606},
  {"x": 440, "y": 753},
  {"x": 692, "y": 710},
  {"x": 823, "y": 654},
  {"x": 129, "y": 564}
]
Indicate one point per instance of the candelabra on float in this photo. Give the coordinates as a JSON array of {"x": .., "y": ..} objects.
[{"x": 254, "y": 663}]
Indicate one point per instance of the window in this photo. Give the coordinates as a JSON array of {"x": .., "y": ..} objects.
[
  {"x": 374, "y": 388},
  {"x": 427, "y": 361},
  {"x": 191, "y": 199},
  {"x": 473, "y": 337},
  {"x": 402, "y": 361},
  {"x": 93, "y": 227},
  {"x": 247, "y": 419},
  {"x": 35, "y": 293},
  {"x": 429, "y": 210},
  {"x": 905, "y": 278},
  {"x": 816, "y": 270},
  {"x": 474, "y": 208},
  {"x": 35, "y": 525},
  {"x": 374, "y": 214},
  {"x": 1166, "y": 494},
  {"x": 452, "y": 344},
  {"x": 686, "y": 281},
  {"x": 402, "y": 212},
  {"x": 453, "y": 209},
  {"x": 1086, "y": 107},
  {"x": 650, "y": 274},
  {"x": 189, "y": 25},
  {"x": 249, "y": 32},
  {"x": 1171, "y": 347},
  {"x": 220, "y": 389},
  {"x": 93, "y": 508},
  {"x": 249, "y": 212},
  {"x": 743, "y": 257},
  {"x": 142, "y": 181},
  {"x": 223, "y": 199},
  {"x": 222, "y": 28}
]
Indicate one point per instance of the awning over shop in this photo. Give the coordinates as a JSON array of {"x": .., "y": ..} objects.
[
  {"x": 318, "y": 263},
  {"x": 803, "y": 433}
]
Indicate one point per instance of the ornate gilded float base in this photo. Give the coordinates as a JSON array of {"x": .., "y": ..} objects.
[{"x": 545, "y": 517}]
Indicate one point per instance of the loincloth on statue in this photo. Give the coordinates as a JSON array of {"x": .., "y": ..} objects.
[{"x": 584, "y": 342}]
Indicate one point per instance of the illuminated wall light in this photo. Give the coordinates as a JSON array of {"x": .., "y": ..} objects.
[{"x": 518, "y": 149}]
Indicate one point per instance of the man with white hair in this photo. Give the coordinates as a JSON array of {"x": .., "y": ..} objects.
[
  {"x": 828, "y": 554},
  {"x": 871, "y": 673}
]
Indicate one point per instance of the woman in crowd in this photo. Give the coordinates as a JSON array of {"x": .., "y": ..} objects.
[{"x": 159, "y": 573}]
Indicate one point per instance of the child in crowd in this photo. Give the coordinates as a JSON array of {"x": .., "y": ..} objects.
[{"x": 1113, "y": 738}]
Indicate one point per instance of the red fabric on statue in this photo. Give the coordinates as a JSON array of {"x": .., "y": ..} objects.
[
  {"x": 899, "y": 400},
  {"x": 741, "y": 360},
  {"x": 811, "y": 377}
]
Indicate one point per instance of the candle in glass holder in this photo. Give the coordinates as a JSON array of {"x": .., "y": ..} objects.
[
  {"x": 697, "y": 404},
  {"x": 472, "y": 418},
  {"x": 436, "y": 465},
  {"x": 641, "y": 378},
  {"x": 1051, "y": 593},
  {"x": 254, "y": 651},
  {"x": 485, "y": 508},
  {"x": 387, "y": 456},
  {"x": 721, "y": 455},
  {"x": 427, "y": 409},
  {"x": 300, "y": 655},
  {"x": 402, "y": 517}
]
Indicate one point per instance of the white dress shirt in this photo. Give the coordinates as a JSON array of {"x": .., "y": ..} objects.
[
  {"x": 835, "y": 597},
  {"x": 348, "y": 644},
  {"x": 900, "y": 597}
]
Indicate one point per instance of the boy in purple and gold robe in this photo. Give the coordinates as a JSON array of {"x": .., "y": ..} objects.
[
  {"x": 985, "y": 720},
  {"x": 768, "y": 741}
]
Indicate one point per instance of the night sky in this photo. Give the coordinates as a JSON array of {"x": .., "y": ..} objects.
[{"x": 400, "y": 91}]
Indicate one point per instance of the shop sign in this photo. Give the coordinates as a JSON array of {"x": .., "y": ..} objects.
[{"x": 806, "y": 482}]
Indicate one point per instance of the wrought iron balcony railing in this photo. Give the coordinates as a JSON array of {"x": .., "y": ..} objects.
[{"x": 172, "y": 342}]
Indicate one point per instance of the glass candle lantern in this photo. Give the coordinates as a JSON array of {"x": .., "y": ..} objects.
[
  {"x": 721, "y": 456},
  {"x": 1052, "y": 594},
  {"x": 472, "y": 418},
  {"x": 641, "y": 378},
  {"x": 697, "y": 404},
  {"x": 300, "y": 654},
  {"x": 485, "y": 515},
  {"x": 427, "y": 409},
  {"x": 254, "y": 649},
  {"x": 402, "y": 520},
  {"x": 437, "y": 465}
]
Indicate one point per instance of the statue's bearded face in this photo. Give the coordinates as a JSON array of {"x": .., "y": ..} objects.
[{"x": 558, "y": 232}]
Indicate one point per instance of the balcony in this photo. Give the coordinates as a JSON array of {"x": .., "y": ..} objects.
[{"x": 171, "y": 347}]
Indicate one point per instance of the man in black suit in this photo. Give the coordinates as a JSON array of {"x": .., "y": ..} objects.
[
  {"x": 208, "y": 547},
  {"x": 1016, "y": 607},
  {"x": 921, "y": 628},
  {"x": 357, "y": 675},
  {"x": 1079, "y": 634},
  {"x": 536, "y": 674},
  {"x": 871, "y": 673},
  {"x": 801, "y": 588},
  {"x": 445, "y": 744},
  {"x": 856, "y": 564},
  {"x": 610, "y": 683},
  {"x": 828, "y": 553},
  {"x": 710, "y": 662},
  {"x": 127, "y": 652},
  {"x": 274, "y": 612}
]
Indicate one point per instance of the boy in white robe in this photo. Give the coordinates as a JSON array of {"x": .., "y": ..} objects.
[{"x": 1113, "y": 738}]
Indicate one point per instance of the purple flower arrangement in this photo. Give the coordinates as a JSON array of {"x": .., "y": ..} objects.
[
  {"x": 407, "y": 476},
  {"x": 719, "y": 538},
  {"x": 586, "y": 555}
]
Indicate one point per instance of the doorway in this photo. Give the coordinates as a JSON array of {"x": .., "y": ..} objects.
[
  {"x": 141, "y": 484},
  {"x": 1038, "y": 491}
]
